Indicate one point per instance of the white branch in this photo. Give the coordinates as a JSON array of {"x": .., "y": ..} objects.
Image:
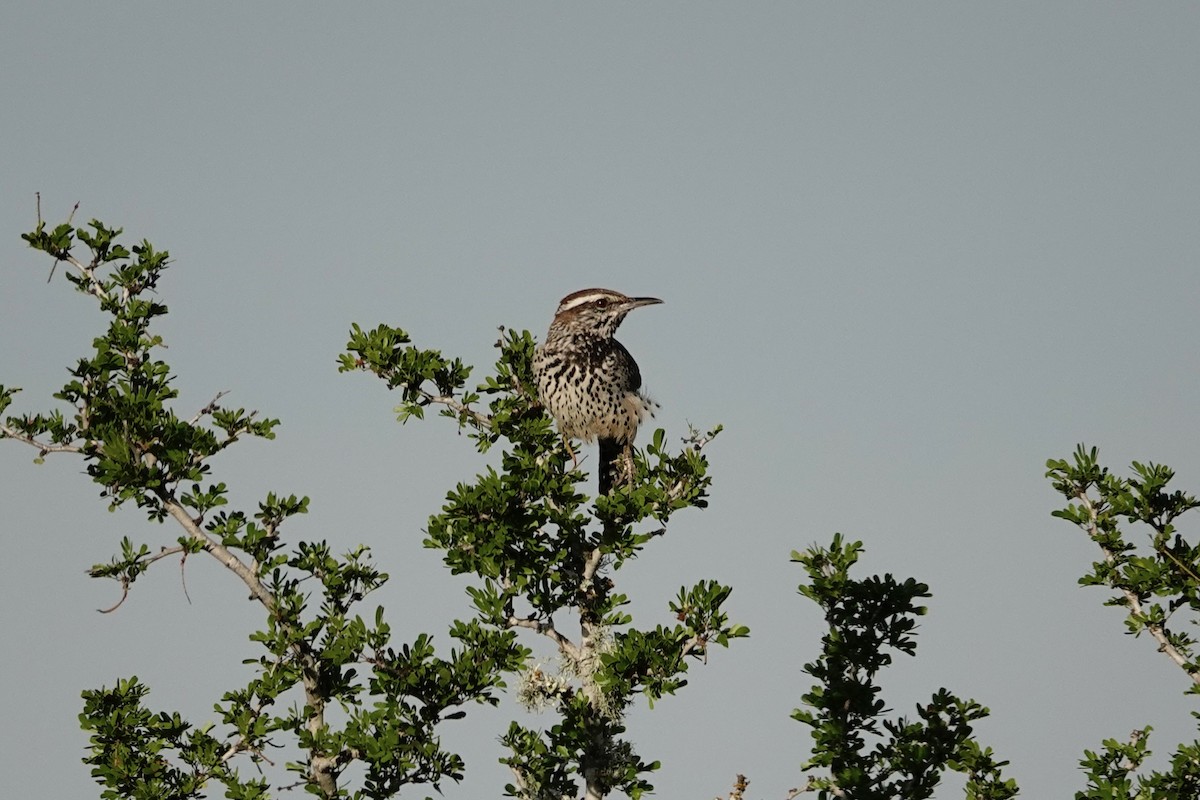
[
  {"x": 8, "y": 432},
  {"x": 458, "y": 406},
  {"x": 548, "y": 630},
  {"x": 220, "y": 552}
]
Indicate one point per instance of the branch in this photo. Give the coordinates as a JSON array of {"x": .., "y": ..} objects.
[
  {"x": 698, "y": 644},
  {"x": 9, "y": 432},
  {"x": 1184, "y": 567},
  {"x": 452, "y": 402},
  {"x": 89, "y": 272},
  {"x": 548, "y": 630},
  {"x": 813, "y": 786},
  {"x": 70, "y": 217},
  {"x": 698, "y": 442},
  {"x": 166, "y": 551},
  {"x": 1132, "y": 601},
  {"x": 739, "y": 788},
  {"x": 589, "y": 567},
  {"x": 208, "y": 409},
  {"x": 322, "y": 769},
  {"x": 219, "y": 552},
  {"x": 124, "y": 597},
  {"x": 519, "y": 777}
]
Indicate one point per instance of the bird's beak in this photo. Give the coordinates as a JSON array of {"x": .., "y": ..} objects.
[{"x": 637, "y": 302}]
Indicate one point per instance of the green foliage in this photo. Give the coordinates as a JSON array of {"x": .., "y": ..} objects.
[
  {"x": 1156, "y": 581},
  {"x": 135, "y": 446},
  {"x": 315, "y": 647},
  {"x": 1112, "y": 773},
  {"x": 534, "y": 543},
  {"x": 868, "y": 755},
  {"x": 543, "y": 558},
  {"x": 541, "y": 550}
]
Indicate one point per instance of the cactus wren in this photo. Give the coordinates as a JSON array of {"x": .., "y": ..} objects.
[{"x": 588, "y": 381}]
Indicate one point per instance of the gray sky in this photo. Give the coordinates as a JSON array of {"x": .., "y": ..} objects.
[{"x": 908, "y": 252}]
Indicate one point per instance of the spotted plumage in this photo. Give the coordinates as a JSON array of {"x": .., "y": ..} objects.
[{"x": 589, "y": 382}]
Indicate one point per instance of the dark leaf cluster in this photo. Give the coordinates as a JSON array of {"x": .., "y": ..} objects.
[{"x": 867, "y": 754}]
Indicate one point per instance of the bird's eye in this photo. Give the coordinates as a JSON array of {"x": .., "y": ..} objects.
[{"x": 602, "y": 302}]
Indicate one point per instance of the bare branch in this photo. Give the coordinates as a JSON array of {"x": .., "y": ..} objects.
[
  {"x": 697, "y": 442},
  {"x": 124, "y": 596},
  {"x": 456, "y": 405},
  {"x": 547, "y": 629},
  {"x": 183, "y": 577},
  {"x": 89, "y": 272},
  {"x": 208, "y": 409},
  {"x": 9, "y": 432}
]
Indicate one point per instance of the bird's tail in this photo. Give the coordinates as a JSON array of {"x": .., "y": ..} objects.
[{"x": 616, "y": 464}]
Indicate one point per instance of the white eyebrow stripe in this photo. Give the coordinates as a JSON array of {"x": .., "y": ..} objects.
[{"x": 591, "y": 297}]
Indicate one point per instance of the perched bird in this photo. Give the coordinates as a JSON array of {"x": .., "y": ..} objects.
[{"x": 588, "y": 381}]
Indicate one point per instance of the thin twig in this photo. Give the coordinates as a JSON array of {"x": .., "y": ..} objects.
[
  {"x": 165, "y": 552},
  {"x": 124, "y": 596},
  {"x": 208, "y": 409},
  {"x": 183, "y": 577},
  {"x": 1179, "y": 564}
]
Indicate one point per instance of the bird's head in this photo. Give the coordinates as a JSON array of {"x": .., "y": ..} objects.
[{"x": 599, "y": 311}]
